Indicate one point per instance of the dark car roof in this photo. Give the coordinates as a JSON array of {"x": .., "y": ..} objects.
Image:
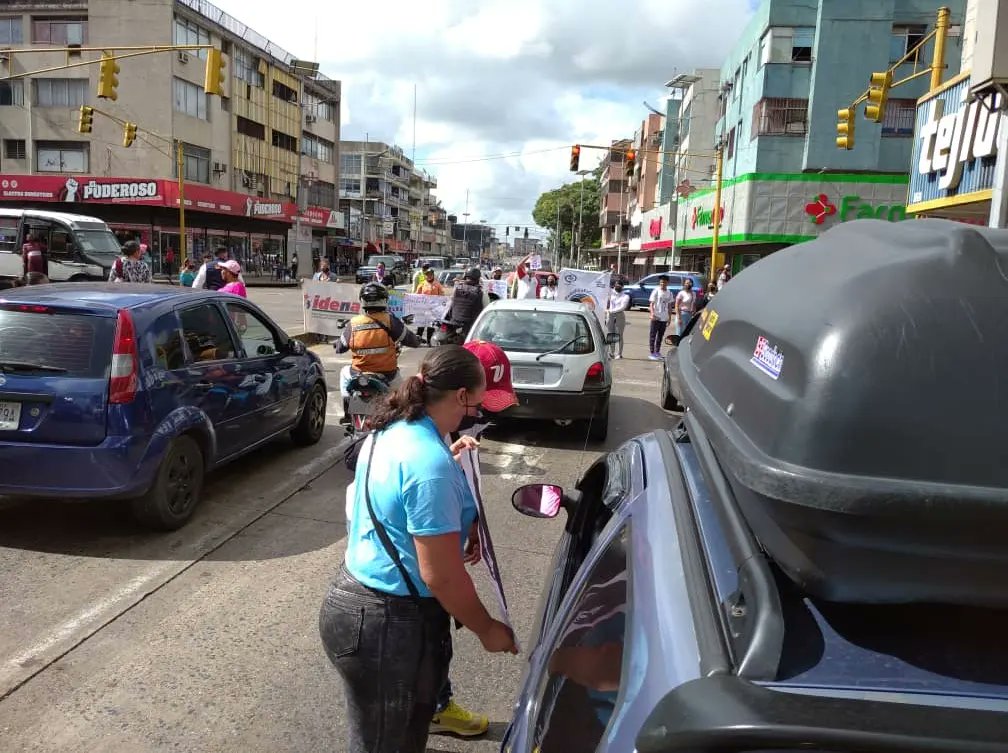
[{"x": 103, "y": 297}]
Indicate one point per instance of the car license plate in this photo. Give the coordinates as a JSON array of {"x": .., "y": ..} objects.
[
  {"x": 10, "y": 416},
  {"x": 529, "y": 375}
]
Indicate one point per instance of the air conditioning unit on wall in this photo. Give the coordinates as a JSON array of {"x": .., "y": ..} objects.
[
  {"x": 310, "y": 118},
  {"x": 183, "y": 57}
]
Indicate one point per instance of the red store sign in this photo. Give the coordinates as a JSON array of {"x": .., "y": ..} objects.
[{"x": 79, "y": 191}]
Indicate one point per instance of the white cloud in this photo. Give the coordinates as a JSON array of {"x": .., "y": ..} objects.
[{"x": 499, "y": 77}]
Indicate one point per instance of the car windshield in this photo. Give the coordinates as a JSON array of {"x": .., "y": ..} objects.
[
  {"x": 100, "y": 245},
  {"x": 536, "y": 331},
  {"x": 388, "y": 261}
]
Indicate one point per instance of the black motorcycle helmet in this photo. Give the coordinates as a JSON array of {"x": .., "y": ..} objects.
[
  {"x": 473, "y": 276},
  {"x": 374, "y": 296}
]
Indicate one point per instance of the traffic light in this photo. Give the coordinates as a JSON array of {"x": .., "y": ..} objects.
[
  {"x": 575, "y": 157},
  {"x": 878, "y": 95},
  {"x": 845, "y": 128},
  {"x": 629, "y": 159},
  {"x": 86, "y": 119},
  {"x": 129, "y": 134},
  {"x": 108, "y": 79},
  {"x": 213, "y": 80}
]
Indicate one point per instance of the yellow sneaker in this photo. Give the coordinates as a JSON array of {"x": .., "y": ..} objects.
[{"x": 456, "y": 720}]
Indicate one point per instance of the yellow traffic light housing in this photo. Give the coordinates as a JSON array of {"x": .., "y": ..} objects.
[
  {"x": 845, "y": 128},
  {"x": 85, "y": 120},
  {"x": 213, "y": 79},
  {"x": 575, "y": 159},
  {"x": 878, "y": 96},
  {"x": 129, "y": 134},
  {"x": 108, "y": 80},
  {"x": 629, "y": 160}
]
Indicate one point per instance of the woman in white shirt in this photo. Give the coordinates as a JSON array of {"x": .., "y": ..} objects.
[
  {"x": 549, "y": 291},
  {"x": 685, "y": 305},
  {"x": 619, "y": 302}
]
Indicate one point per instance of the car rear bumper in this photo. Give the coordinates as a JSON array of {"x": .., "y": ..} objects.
[
  {"x": 550, "y": 404},
  {"x": 118, "y": 467}
]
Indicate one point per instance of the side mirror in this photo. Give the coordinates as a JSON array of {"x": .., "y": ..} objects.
[
  {"x": 612, "y": 338},
  {"x": 538, "y": 500}
]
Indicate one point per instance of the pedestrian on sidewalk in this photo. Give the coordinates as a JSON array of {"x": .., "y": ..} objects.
[
  {"x": 188, "y": 274},
  {"x": 386, "y": 619},
  {"x": 685, "y": 306},
  {"x": 169, "y": 260},
  {"x": 660, "y": 305},
  {"x": 231, "y": 272},
  {"x": 209, "y": 275},
  {"x": 324, "y": 274},
  {"x": 616, "y": 308},
  {"x": 130, "y": 267}
]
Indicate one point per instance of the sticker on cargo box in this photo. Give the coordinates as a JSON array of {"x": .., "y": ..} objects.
[
  {"x": 767, "y": 358},
  {"x": 709, "y": 323}
]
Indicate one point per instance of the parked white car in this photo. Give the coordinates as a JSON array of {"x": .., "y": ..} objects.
[
  {"x": 79, "y": 247},
  {"x": 559, "y": 357}
]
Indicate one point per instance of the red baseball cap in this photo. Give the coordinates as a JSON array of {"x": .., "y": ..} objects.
[{"x": 499, "y": 395}]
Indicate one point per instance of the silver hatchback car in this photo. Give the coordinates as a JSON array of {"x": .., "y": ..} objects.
[{"x": 559, "y": 357}]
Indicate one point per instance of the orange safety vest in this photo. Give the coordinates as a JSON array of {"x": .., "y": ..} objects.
[{"x": 372, "y": 347}]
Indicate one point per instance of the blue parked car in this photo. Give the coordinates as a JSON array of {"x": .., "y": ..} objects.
[
  {"x": 640, "y": 292},
  {"x": 138, "y": 391},
  {"x": 807, "y": 562}
]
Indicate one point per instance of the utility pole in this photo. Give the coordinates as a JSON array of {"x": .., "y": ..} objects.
[
  {"x": 180, "y": 163},
  {"x": 465, "y": 227},
  {"x": 582, "y": 173},
  {"x": 719, "y": 172}
]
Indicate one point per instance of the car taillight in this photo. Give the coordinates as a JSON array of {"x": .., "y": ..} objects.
[
  {"x": 125, "y": 364},
  {"x": 27, "y": 308},
  {"x": 595, "y": 372}
]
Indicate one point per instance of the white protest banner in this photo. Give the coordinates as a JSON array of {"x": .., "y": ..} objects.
[
  {"x": 498, "y": 288},
  {"x": 535, "y": 261},
  {"x": 328, "y": 303},
  {"x": 425, "y": 309},
  {"x": 587, "y": 287}
]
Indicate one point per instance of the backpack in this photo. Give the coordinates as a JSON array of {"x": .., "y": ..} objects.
[{"x": 353, "y": 450}]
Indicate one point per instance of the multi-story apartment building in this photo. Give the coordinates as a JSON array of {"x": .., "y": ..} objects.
[
  {"x": 389, "y": 201},
  {"x": 687, "y": 161},
  {"x": 613, "y": 203},
  {"x": 785, "y": 180},
  {"x": 259, "y": 163},
  {"x": 644, "y": 183},
  {"x": 478, "y": 241}
]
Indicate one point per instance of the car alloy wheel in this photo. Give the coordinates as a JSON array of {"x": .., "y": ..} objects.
[{"x": 182, "y": 480}]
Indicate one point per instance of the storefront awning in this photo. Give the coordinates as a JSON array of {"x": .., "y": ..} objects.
[{"x": 658, "y": 245}]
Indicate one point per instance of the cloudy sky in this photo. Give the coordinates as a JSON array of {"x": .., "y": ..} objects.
[{"x": 525, "y": 78}]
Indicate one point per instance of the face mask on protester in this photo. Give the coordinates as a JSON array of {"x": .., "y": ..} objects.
[
  {"x": 618, "y": 288},
  {"x": 469, "y": 422}
]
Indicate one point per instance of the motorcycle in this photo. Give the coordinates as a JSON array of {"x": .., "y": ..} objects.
[
  {"x": 447, "y": 333},
  {"x": 363, "y": 395}
]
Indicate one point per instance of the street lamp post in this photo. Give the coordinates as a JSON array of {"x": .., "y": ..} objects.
[{"x": 580, "y": 230}]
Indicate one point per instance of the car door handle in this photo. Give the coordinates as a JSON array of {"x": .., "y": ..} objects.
[
  {"x": 259, "y": 378},
  {"x": 203, "y": 386}
]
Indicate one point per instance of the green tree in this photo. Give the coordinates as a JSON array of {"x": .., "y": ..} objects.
[{"x": 569, "y": 199}]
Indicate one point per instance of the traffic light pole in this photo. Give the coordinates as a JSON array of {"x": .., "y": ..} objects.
[
  {"x": 180, "y": 163},
  {"x": 716, "y": 214}
]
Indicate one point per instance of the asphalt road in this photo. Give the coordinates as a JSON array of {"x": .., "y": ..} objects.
[{"x": 115, "y": 639}]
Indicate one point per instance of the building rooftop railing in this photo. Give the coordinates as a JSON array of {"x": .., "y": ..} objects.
[{"x": 242, "y": 31}]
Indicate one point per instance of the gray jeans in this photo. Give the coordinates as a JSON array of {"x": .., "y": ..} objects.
[
  {"x": 393, "y": 657},
  {"x": 617, "y": 323}
]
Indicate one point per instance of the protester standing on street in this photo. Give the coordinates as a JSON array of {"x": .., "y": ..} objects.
[
  {"x": 549, "y": 293},
  {"x": 724, "y": 277},
  {"x": 169, "y": 260},
  {"x": 379, "y": 275},
  {"x": 209, "y": 275},
  {"x": 616, "y": 308},
  {"x": 231, "y": 272},
  {"x": 685, "y": 305},
  {"x": 323, "y": 275},
  {"x": 468, "y": 300},
  {"x": 523, "y": 283},
  {"x": 130, "y": 267},
  {"x": 660, "y": 306},
  {"x": 420, "y": 277},
  {"x": 385, "y": 621},
  {"x": 429, "y": 286}
]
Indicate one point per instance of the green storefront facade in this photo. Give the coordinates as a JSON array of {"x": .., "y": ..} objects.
[{"x": 764, "y": 212}]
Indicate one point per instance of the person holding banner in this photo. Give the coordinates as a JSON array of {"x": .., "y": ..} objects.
[
  {"x": 616, "y": 308},
  {"x": 428, "y": 286},
  {"x": 385, "y": 622},
  {"x": 523, "y": 283}
]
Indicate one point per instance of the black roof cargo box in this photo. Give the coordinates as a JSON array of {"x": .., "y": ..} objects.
[{"x": 855, "y": 390}]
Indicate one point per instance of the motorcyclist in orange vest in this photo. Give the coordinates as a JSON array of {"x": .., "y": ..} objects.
[{"x": 373, "y": 337}]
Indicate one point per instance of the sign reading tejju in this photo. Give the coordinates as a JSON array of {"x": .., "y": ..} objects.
[{"x": 955, "y": 148}]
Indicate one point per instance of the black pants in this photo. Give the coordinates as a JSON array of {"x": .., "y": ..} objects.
[
  {"x": 420, "y": 333},
  {"x": 656, "y": 335},
  {"x": 393, "y": 656}
]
